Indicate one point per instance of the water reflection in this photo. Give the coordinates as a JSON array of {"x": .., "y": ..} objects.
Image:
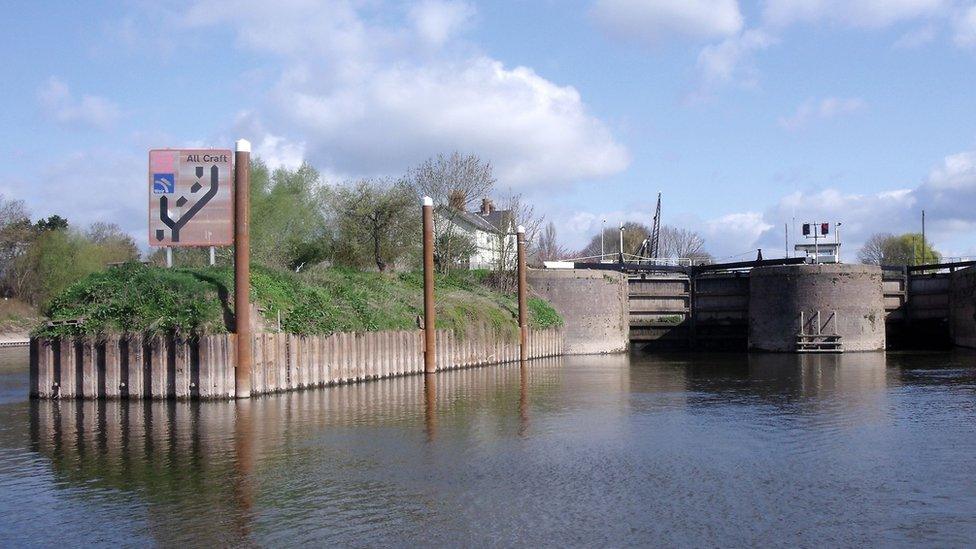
[
  {"x": 613, "y": 450},
  {"x": 202, "y": 464}
]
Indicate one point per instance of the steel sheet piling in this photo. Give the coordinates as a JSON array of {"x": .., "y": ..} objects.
[{"x": 242, "y": 259}]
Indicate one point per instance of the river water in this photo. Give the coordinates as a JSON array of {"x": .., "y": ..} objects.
[{"x": 675, "y": 449}]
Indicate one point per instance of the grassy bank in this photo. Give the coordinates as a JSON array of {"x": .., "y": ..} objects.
[
  {"x": 16, "y": 318},
  {"x": 137, "y": 298}
]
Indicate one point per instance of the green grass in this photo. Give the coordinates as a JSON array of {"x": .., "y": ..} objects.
[{"x": 187, "y": 302}]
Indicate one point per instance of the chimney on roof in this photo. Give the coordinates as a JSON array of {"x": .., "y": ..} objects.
[
  {"x": 456, "y": 200},
  {"x": 487, "y": 206}
]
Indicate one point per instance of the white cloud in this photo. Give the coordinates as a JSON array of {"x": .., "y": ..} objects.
[
  {"x": 825, "y": 109},
  {"x": 853, "y": 13},
  {"x": 965, "y": 27},
  {"x": 278, "y": 152},
  {"x": 917, "y": 37},
  {"x": 734, "y": 233},
  {"x": 535, "y": 132},
  {"x": 652, "y": 21},
  {"x": 365, "y": 96},
  {"x": 576, "y": 228},
  {"x": 90, "y": 111},
  {"x": 438, "y": 21},
  {"x": 946, "y": 195},
  {"x": 730, "y": 61}
]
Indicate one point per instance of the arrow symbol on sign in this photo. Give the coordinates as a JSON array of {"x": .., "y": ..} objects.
[{"x": 176, "y": 225}]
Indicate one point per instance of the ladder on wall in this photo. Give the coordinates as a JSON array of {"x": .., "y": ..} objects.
[{"x": 819, "y": 340}]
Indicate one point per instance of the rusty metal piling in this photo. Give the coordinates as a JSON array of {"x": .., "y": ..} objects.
[
  {"x": 430, "y": 363},
  {"x": 523, "y": 313},
  {"x": 242, "y": 267}
]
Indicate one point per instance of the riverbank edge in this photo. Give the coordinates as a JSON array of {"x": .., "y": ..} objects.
[{"x": 168, "y": 367}]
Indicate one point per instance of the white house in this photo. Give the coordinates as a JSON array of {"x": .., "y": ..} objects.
[{"x": 491, "y": 231}]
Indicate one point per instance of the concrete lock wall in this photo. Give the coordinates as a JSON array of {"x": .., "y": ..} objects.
[
  {"x": 849, "y": 299},
  {"x": 962, "y": 314},
  {"x": 593, "y": 304},
  {"x": 172, "y": 368}
]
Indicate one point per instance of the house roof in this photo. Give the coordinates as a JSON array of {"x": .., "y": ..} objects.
[
  {"x": 491, "y": 223},
  {"x": 500, "y": 219}
]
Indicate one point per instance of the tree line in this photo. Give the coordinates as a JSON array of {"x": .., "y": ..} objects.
[
  {"x": 38, "y": 259},
  {"x": 298, "y": 221}
]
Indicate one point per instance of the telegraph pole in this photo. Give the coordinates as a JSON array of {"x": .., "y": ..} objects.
[{"x": 242, "y": 267}]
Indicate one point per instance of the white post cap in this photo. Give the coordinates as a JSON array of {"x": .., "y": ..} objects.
[
  {"x": 428, "y": 201},
  {"x": 242, "y": 145},
  {"x": 521, "y": 229}
]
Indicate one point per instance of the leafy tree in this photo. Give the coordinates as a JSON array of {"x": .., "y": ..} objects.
[
  {"x": 54, "y": 260},
  {"x": 634, "y": 235},
  {"x": 288, "y": 227},
  {"x": 112, "y": 244},
  {"x": 52, "y": 223},
  {"x": 378, "y": 220},
  {"x": 452, "y": 250},
  {"x": 906, "y": 249}
]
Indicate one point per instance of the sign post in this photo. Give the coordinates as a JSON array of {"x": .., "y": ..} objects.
[
  {"x": 242, "y": 267},
  {"x": 195, "y": 200}
]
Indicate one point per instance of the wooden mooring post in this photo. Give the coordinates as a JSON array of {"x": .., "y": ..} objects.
[
  {"x": 430, "y": 314},
  {"x": 242, "y": 267},
  {"x": 522, "y": 290}
]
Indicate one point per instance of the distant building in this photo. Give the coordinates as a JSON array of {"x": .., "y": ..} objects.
[
  {"x": 822, "y": 252},
  {"x": 490, "y": 231}
]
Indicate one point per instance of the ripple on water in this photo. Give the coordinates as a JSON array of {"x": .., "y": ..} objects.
[{"x": 650, "y": 450}]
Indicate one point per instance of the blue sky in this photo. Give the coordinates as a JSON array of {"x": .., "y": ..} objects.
[{"x": 741, "y": 113}]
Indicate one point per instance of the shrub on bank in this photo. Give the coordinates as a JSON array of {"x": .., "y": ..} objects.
[{"x": 198, "y": 301}]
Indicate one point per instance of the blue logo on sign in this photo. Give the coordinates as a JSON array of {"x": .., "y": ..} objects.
[{"x": 164, "y": 183}]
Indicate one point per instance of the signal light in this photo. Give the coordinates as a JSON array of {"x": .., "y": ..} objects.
[
  {"x": 806, "y": 229},
  {"x": 824, "y": 227}
]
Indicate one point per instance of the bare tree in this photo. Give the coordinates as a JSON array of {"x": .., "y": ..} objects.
[
  {"x": 876, "y": 249},
  {"x": 906, "y": 249},
  {"x": 682, "y": 243},
  {"x": 16, "y": 233},
  {"x": 548, "y": 247},
  {"x": 521, "y": 213},
  {"x": 464, "y": 176},
  {"x": 454, "y": 182}
]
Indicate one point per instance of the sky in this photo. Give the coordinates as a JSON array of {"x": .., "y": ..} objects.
[{"x": 748, "y": 117}]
